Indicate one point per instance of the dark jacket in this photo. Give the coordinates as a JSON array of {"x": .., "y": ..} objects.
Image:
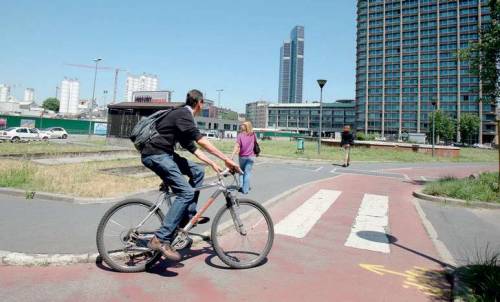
[
  {"x": 177, "y": 126},
  {"x": 347, "y": 138}
]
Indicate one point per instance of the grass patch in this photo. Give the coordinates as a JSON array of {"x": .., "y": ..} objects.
[
  {"x": 485, "y": 188},
  {"x": 50, "y": 148},
  {"x": 16, "y": 175},
  {"x": 480, "y": 281},
  {"x": 285, "y": 148},
  {"x": 84, "y": 180}
]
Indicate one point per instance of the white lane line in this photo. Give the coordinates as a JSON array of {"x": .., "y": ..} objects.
[
  {"x": 333, "y": 171},
  {"x": 369, "y": 229},
  {"x": 302, "y": 219},
  {"x": 318, "y": 169}
]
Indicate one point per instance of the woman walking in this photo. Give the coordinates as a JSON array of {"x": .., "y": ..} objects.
[
  {"x": 347, "y": 142},
  {"x": 244, "y": 146}
]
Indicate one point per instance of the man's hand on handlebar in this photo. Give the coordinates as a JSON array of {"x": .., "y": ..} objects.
[{"x": 232, "y": 166}]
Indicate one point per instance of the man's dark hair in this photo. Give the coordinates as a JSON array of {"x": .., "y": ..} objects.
[{"x": 193, "y": 97}]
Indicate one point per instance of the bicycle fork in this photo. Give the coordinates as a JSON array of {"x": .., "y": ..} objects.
[{"x": 234, "y": 209}]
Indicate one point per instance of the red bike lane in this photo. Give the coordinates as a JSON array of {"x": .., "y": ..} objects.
[{"x": 317, "y": 267}]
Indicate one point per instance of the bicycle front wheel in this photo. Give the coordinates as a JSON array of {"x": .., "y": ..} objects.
[
  {"x": 121, "y": 242},
  {"x": 242, "y": 234}
]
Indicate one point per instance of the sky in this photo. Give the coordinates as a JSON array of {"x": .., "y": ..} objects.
[{"x": 208, "y": 45}]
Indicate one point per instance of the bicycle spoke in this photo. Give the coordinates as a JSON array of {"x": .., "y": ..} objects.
[{"x": 111, "y": 220}]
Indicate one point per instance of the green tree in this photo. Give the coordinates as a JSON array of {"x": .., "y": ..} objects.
[
  {"x": 484, "y": 58},
  {"x": 469, "y": 126},
  {"x": 484, "y": 55},
  {"x": 445, "y": 126},
  {"x": 51, "y": 104}
]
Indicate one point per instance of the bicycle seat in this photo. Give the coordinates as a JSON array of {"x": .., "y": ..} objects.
[{"x": 164, "y": 188}]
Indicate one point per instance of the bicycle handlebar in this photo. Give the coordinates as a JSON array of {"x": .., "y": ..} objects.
[{"x": 226, "y": 172}]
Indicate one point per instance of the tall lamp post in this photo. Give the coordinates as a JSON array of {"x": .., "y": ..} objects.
[
  {"x": 321, "y": 83},
  {"x": 91, "y": 106},
  {"x": 218, "y": 96},
  {"x": 433, "y": 126}
]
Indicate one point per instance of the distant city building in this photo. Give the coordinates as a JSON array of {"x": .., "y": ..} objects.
[
  {"x": 4, "y": 93},
  {"x": 304, "y": 118},
  {"x": 29, "y": 95},
  {"x": 256, "y": 112},
  {"x": 292, "y": 67},
  {"x": 406, "y": 60},
  {"x": 70, "y": 96},
  {"x": 144, "y": 82}
]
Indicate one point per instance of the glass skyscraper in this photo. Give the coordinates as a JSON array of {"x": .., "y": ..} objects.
[
  {"x": 407, "y": 59},
  {"x": 292, "y": 67}
]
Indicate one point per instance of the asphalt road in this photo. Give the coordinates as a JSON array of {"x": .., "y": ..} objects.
[
  {"x": 41, "y": 226},
  {"x": 471, "y": 235}
]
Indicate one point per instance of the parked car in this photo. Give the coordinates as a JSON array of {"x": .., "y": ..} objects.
[
  {"x": 56, "y": 132},
  {"x": 210, "y": 136},
  {"x": 18, "y": 134}
]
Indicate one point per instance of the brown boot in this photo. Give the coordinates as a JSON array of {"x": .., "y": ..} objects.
[{"x": 156, "y": 245}]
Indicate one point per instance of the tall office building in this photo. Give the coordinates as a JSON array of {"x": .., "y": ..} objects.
[
  {"x": 70, "y": 96},
  {"x": 144, "y": 82},
  {"x": 292, "y": 67},
  {"x": 29, "y": 95},
  {"x": 406, "y": 60},
  {"x": 4, "y": 93}
]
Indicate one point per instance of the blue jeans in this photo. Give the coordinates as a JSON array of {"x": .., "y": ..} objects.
[
  {"x": 246, "y": 164},
  {"x": 171, "y": 168}
]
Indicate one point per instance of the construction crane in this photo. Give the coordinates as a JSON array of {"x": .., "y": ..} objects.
[{"x": 116, "y": 69}]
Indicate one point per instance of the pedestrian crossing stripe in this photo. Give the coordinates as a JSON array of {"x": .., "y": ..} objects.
[
  {"x": 369, "y": 229},
  {"x": 298, "y": 223}
]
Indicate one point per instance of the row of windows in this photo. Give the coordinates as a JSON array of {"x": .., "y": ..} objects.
[
  {"x": 426, "y": 81},
  {"x": 376, "y": 34},
  {"x": 411, "y": 22}
]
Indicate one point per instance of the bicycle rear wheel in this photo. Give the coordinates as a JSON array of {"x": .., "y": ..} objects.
[
  {"x": 243, "y": 234},
  {"x": 121, "y": 244}
]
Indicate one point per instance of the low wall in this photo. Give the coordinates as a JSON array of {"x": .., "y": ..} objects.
[{"x": 443, "y": 151}]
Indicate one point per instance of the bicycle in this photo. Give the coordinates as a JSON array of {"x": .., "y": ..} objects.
[{"x": 126, "y": 228}]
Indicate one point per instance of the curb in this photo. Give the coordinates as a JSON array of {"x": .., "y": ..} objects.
[
  {"x": 68, "y": 198},
  {"x": 24, "y": 259},
  {"x": 457, "y": 202}
]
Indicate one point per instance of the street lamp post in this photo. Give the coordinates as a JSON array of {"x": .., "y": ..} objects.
[
  {"x": 433, "y": 126},
  {"x": 218, "y": 96},
  {"x": 321, "y": 83},
  {"x": 91, "y": 105}
]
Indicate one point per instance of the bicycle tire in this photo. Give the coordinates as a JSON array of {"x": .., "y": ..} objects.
[
  {"x": 100, "y": 236},
  {"x": 216, "y": 244}
]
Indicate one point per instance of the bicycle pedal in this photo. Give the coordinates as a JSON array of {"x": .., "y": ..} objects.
[{"x": 183, "y": 243}]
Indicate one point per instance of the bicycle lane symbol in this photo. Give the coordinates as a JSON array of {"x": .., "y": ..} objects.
[{"x": 427, "y": 281}]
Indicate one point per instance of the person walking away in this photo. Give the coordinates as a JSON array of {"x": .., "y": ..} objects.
[
  {"x": 244, "y": 146},
  {"x": 347, "y": 142},
  {"x": 159, "y": 155}
]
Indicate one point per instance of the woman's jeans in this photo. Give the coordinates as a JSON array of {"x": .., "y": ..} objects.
[
  {"x": 246, "y": 164},
  {"x": 171, "y": 168}
]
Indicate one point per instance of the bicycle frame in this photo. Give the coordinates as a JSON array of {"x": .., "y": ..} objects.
[{"x": 222, "y": 189}]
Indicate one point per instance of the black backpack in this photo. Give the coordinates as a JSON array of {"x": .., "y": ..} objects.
[{"x": 145, "y": 130}]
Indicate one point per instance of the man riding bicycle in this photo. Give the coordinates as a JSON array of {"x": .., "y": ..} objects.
[{"x": 158, "y": 155}]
